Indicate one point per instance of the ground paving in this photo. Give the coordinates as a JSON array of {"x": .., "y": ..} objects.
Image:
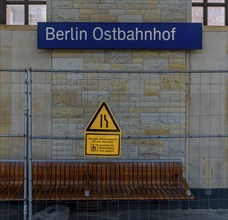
[{"x": 14, "y": 211}]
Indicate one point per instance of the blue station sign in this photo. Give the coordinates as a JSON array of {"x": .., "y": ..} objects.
[{"x": 160, "y": 36}]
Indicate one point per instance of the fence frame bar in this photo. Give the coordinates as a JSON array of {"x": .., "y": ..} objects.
[
  {"x": 29, "y": 143},
  {"x": 25, "y": 146}
]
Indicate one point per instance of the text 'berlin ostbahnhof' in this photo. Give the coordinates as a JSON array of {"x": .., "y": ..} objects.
[{"x": 115, "y": 34}]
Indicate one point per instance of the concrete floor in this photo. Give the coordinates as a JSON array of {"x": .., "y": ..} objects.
[
  {"x": 154, "y": 215},
  {"x": 15, "y": 212}
]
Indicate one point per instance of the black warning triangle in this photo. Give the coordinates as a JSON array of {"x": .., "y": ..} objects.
[{"x": 103, "y": 120}]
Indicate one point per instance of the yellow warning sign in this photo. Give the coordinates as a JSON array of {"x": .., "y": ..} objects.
[
  {"x": 103, "y": 120},
  {"x": 103, "y": 134},
  {"x": 102, "y": 144}
]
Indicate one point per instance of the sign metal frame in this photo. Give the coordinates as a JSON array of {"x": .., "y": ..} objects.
[{"x": 104, "y": 35}]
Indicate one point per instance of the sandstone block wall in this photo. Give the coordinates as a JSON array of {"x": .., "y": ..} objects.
[
  {"x": 118, "y": 10},
  {"x": 143, "y": 103}
]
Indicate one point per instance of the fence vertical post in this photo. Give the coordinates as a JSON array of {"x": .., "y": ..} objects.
[
  {"x": 30, "y": 144},
  {"x": 25, "y": 145}
]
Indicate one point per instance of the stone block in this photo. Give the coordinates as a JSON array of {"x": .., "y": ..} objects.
[
  {"x": 102, "y": 18},
  {"x": 68, "y": 113},
  {"x": 157, "y": 132},
  {"x": 177, "y": 66},
  {"x": 162, "y": 118},
  {"x": 67, "y": 63},
  {"x": 59, "y": 81},
  {"x": 92, "y": 96},
  {"x": 96, "y": 66},
  {"x": 126, "y": 66},
  {"x": 174, "y": 15},
  {"x": 5, "y": 113},
  {"x": 155, "y": 64},
  {"x": 62, "y": 4},
  {"x": 213, "y": 55},
  {"x": 116, "y": 12},
  {"x": 24, "y": 52},
  {"x": 151, "y": 16},
  {"x": 78, "y": 149},
  {"x": 93, "y": 11},
  {"x": 61, "y": 154},
  {"x": 5, "y": 50},
  {"x": 120, "y": 57},
  {"x": 169, "y": 96},
  {"x": 42, "y": 149},
  {"x": 131, "y": 151},
  {"x": 68, "y": 98},
  {"x": 43, "y": 124},
  {"x": 173, "y": 82},
  {"x": 174, "y": 148},
  {"x": 65, "y": 15},
  {"x": 194, "y": 173},
  {"x": 41, "y": 104},
  {"x": 130, "y": 18}
]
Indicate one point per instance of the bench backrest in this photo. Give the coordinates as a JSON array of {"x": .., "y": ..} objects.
[
  {"x": 11, "y": 172},
  {"x": 138, "y": 172},
  {"x": 108, "y": 172}
]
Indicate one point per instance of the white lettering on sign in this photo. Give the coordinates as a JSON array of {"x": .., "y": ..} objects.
[
  {"x": 133, "y": 35},
  {"x": 114, "y": 34},
  {"x": 70, "y": 34}
]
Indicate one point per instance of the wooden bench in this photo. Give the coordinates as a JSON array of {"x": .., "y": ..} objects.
[{"x": 93, "y": 180}]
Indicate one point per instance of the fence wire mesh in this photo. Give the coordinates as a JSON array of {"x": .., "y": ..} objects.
[
  {"x": 12, "y": 136},
  {"x": 147, "y": 107},
  {"x": 162, "y": 115}
]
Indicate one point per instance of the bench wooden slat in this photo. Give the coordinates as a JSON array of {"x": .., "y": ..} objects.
[{"x": 96, "y": 180}]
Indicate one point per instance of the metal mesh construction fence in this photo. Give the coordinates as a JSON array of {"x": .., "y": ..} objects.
[{"x": 163, "y": 116}]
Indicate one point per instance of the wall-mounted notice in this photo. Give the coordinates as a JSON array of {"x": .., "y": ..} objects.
[
  {"x": 164, "y": 36},
  {"x": 103, "y": 134}
]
